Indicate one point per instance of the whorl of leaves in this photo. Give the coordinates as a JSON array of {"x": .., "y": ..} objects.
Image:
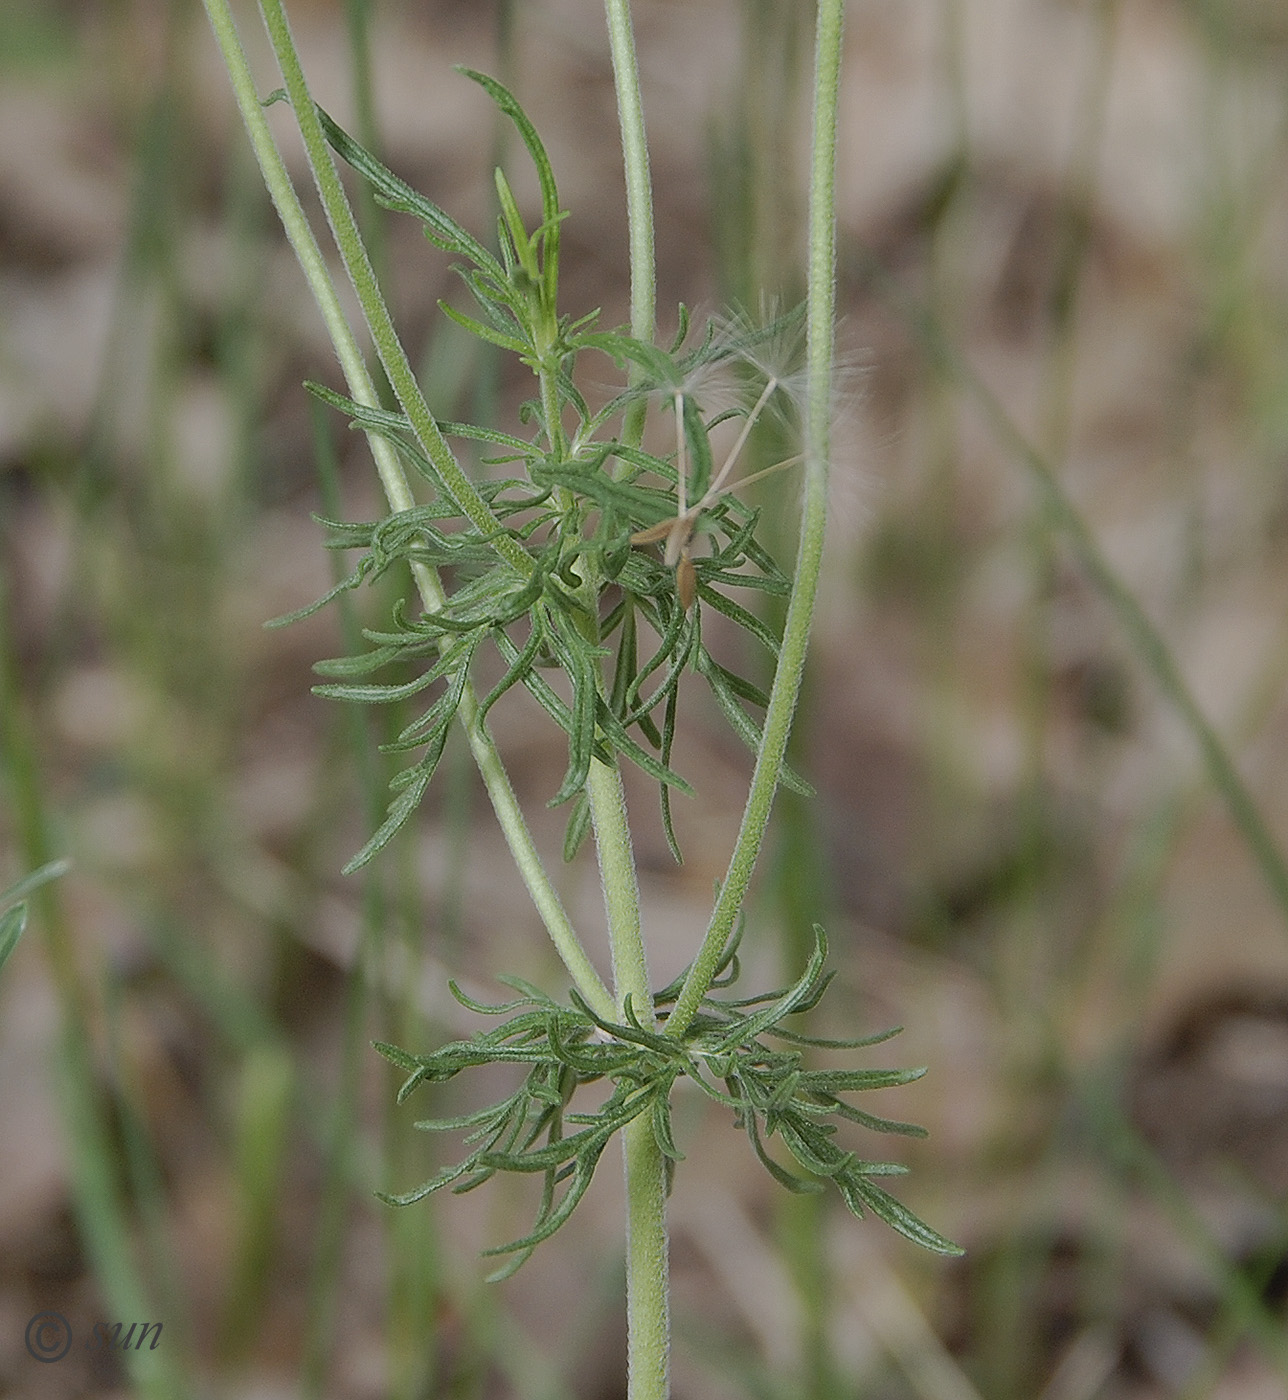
[
  {"x": 769, "y": 1090},
  {"x": 576, "y": 501}
]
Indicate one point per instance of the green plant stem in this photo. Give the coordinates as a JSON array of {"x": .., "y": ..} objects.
[
  {"x": 604, "y": 784},
  {"x": 820, "y": 316},
  {"x": 648, "y": 1318},
  {"x": 639, "y": 192},
  {"x": 519, "y": 839},
  {"x": 353, "y": 251},
  {"x": 398, "y": 492},
  {"x": 621, "y": 892},
  {"x": 639, "y": 187}
]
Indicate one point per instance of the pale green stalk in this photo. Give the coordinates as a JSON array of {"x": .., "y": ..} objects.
[
  {"x": 398, "y": 492},
  {"x": 648, "y": 1322},
  {"x": 639, "y": 187},
  {"x": 820, "y": 317},
  {"x": 648, "y": 1307},
  {"x": 621, "y": 892},
  {"x": 648, "y": 1318},
  {"x": 639, "y": 193},
  {"x": 358, "y": 265},
  {"x": 604, "y": 791}
]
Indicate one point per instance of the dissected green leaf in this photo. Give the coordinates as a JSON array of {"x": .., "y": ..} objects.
[
  {"x": 578, "y": 828},
  {"x": 699, "y": 444},
  {"x": 726, "y": 689},
  {"x": 505, "y": 100},
  {"x": 489, "y": 333},
  {"x": 396, "y": 194},
  {"x": 771, "y": 1092}
]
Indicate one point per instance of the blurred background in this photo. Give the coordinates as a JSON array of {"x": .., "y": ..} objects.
[{"x": 1057, "y": 553}]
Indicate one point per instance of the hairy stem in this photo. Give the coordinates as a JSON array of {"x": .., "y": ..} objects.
[
  {"x": 358, "y": 265},
  {"x": 639, "y": 191},
  {"x": 621, "y": 892},
  {"x": 648, "y": 1321},
  {"x": 820, "y": 317},
  {"x": 639, "y": 188},
  {"x": 399, "y": 495}
]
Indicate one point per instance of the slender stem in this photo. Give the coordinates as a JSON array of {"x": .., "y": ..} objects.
[
  {"x": 648, "y": 1319},
  {"x": 398, "y": 492},
  {"x": 348, "y": 240},
  {"x": 621, "y": 892},
  {"x": 648, "y": 1323},
  {"x": 639, "y": 190},
  {"x": 639, "y": 187},
  {"x": 820, "y": 317},
  {"x": 541, "y": 890},
  {"x": 648, "y": 1316},
  {"x": 303, "y": 244}
]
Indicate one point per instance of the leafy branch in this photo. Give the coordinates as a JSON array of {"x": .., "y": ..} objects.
[
  {"x": 575, "y": 549},
  {"x": 574, "y": 576}
]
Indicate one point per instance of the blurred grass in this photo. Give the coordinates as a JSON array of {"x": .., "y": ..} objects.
[{"x": 224, "y": 1125}]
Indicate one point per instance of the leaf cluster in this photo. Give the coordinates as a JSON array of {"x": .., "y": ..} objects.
[
  {"x": 581, "y": 595},
  {"x": 768, "y": 1088}
]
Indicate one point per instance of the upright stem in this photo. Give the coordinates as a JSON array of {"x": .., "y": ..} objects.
[
  {"x": 639, "y": 192},
  {"x": 621, "y": 893},
  {"x": 358, "y": 265},
  {"x": 648, "y": 1319},
  {"x": 648, "y": 1311},
  {"x": 398, "y": 492},
  {"x": 639, "y": 188},
  {"x": 820, "y": 317}
]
